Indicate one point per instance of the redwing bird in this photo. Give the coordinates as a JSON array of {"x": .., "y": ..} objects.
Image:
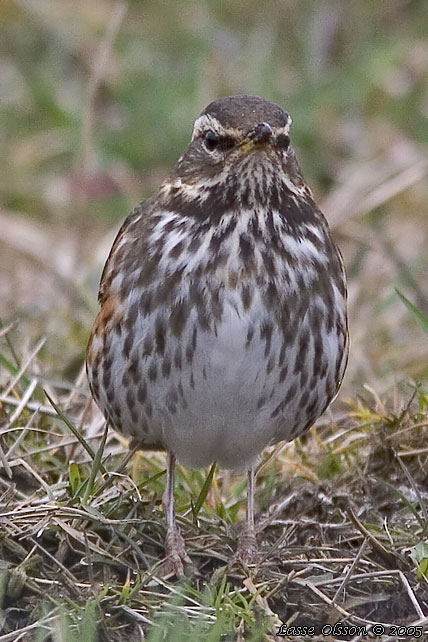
[{"x": 223, "y": 324}]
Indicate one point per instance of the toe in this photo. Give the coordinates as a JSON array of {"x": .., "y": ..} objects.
[
  {"x": 176, "y": 553},
  {"x": 247, "y": 550}
]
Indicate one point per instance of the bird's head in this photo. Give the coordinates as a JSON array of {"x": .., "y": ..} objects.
[{"x": 240, "y": 153}]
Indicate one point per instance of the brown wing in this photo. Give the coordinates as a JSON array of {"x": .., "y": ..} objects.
[{"x": 136, "y": 217}]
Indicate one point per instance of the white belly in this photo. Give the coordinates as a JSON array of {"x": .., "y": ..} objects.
[{"x": 227, "y": 396}]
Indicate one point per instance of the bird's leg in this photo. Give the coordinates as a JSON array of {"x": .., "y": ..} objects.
[
  {"x": 175, "y": 547},
  {"x": 247, "y": 550}
]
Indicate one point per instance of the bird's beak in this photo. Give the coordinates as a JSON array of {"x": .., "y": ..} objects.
[{"x": 260, "y": 136}]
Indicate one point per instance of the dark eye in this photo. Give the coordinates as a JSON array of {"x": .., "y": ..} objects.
[
  {"x": 283, "y": 141},
  {"x": 211, "y": 141}
]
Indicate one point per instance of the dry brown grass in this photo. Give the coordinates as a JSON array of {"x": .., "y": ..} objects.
[{"x": 341, "y": 524}]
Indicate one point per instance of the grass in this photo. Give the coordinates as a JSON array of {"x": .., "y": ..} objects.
[
  {"x": 97, "y": 101},
  {"x": 342, "y": 525}
]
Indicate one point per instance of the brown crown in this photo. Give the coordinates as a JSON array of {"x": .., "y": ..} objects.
[{"x": 244, "y": 112}]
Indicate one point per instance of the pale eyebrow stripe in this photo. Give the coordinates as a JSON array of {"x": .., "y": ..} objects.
[{"x": 205, "y": 121}]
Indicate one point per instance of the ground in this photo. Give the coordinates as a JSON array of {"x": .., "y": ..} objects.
[{"x": 341, "y": 525}]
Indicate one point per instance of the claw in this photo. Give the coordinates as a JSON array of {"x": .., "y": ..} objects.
[
  {"x": 176, "y": 553},
  {"x": 247, "y": 551}
]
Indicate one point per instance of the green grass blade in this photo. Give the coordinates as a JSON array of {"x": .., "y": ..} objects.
[
  {"x": 13, "y": 370},
  {"x": 74, "y": 430},
  {"x": 420, "y": 318},
  {"x": 11, "y": 348},
  {"x": 406, "y": 502},
  {"x": 96, "y": 466},
  {"x": 74, "y": 480},
  {"x": 204, "y": 492}
]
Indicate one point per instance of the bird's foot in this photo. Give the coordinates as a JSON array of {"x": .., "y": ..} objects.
[
  {"x": 176, "y": 554},
  {"x": 247, "y": 550}
]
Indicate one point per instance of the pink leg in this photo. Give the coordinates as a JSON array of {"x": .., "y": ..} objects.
[
  {"x": 247, "y": 551},
  {"x": 175, "y": 547}
]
